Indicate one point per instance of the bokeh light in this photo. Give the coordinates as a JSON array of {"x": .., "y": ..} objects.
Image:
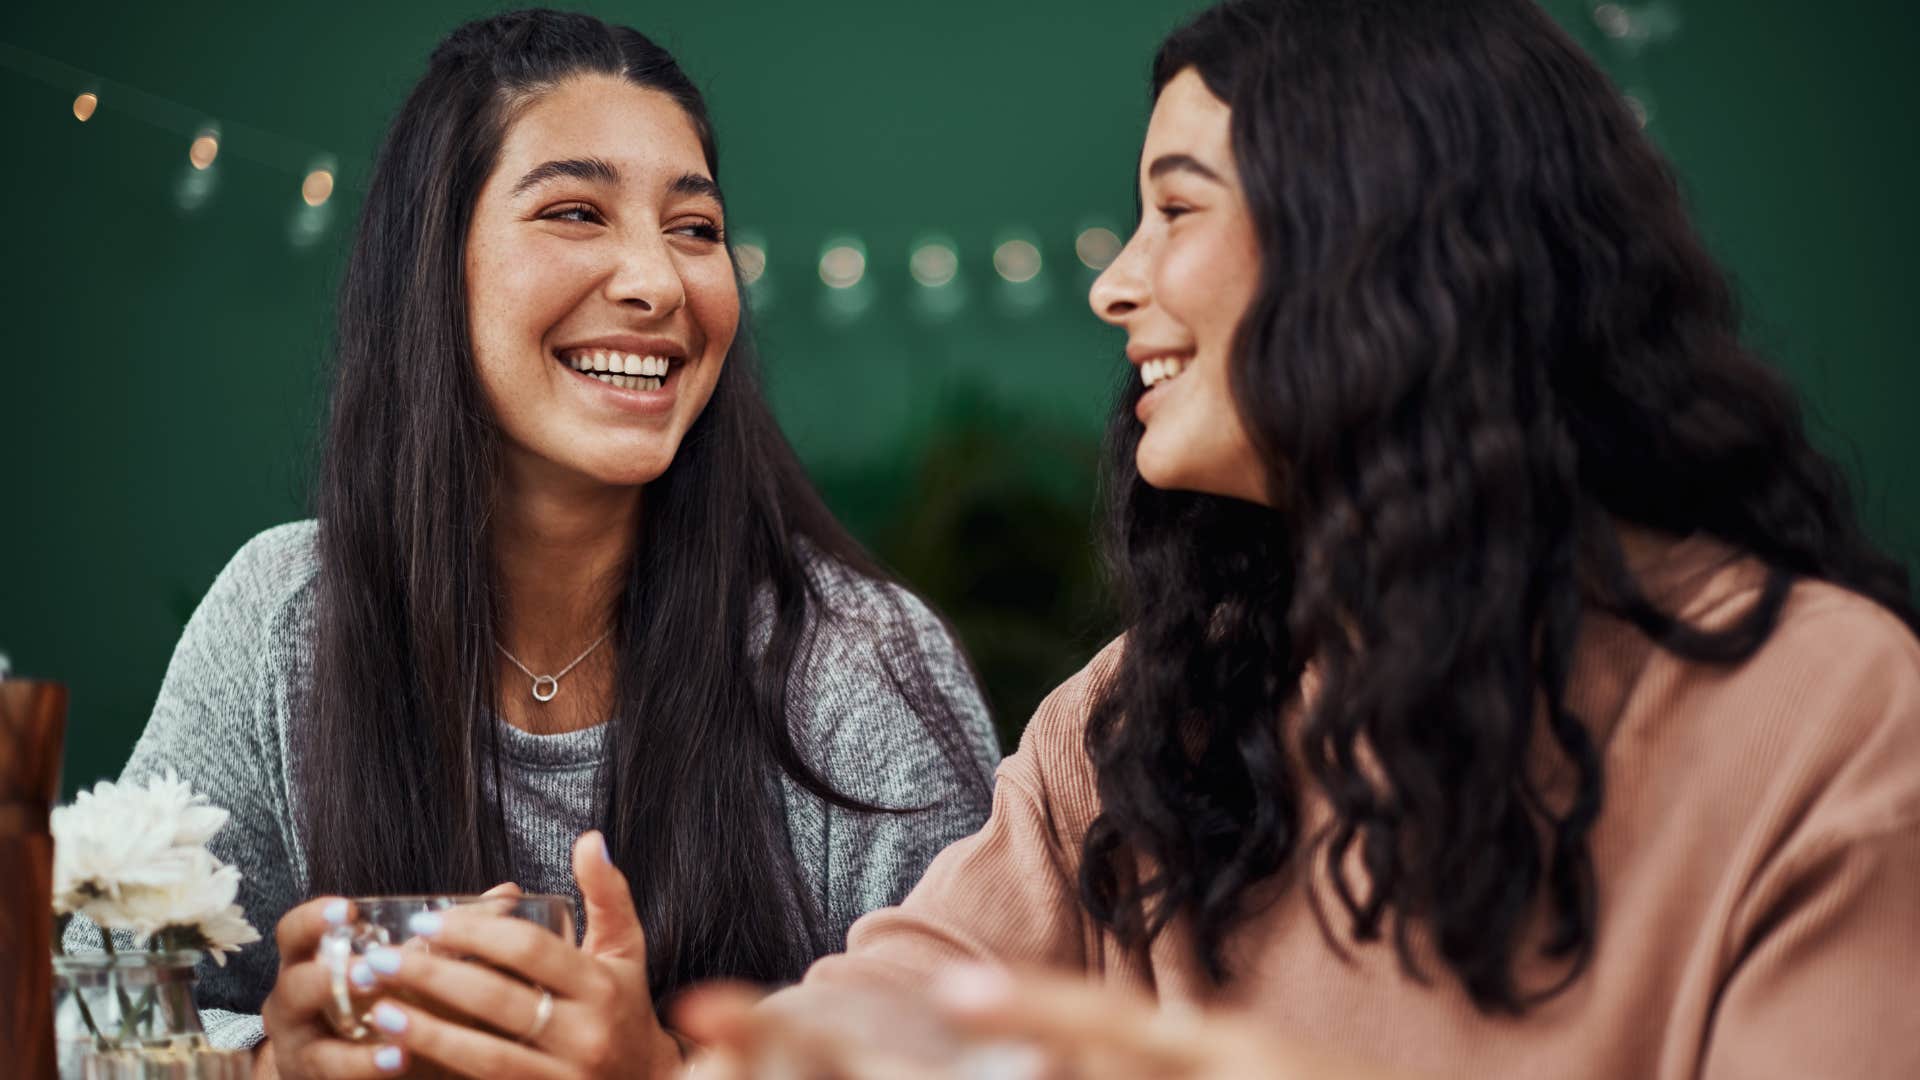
[
  {"x": 934, "y": 264},
  {"x": 843, "y": 264},
  {"x": 1097, "y": 247},
  {"x": 1017, "y": 260},
  {"x": 84, "y": 105},
  {"x": 753, "y": 261},
  {"x": 317, "y": 188},
  {"x": 205, "y": 148}
]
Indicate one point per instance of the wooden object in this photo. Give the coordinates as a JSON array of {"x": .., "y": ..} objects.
[{"x": 33, "y": 721}]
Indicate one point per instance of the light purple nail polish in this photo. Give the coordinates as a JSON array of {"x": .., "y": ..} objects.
[
  {"x": 388, "y": 1059},
  {"x": 604, "y": 853},
  {"x": 361, "y": 974},
  {"x": 335, "y": 913},
  {"x": 384, "y": 960},
  {"x": 388, "y": 1018},
  {"x": 426, "y": 923}
]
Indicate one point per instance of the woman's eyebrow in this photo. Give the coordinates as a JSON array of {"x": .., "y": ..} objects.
[
  {"x": 695, "y": 184},
  {"x": 1167, "y": 163},
  {"x": 594, "y": 169}
]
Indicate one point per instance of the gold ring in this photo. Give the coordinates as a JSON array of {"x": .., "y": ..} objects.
[{"x": 541, "y": 1014}]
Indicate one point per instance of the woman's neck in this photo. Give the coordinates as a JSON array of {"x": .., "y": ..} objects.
[{"x": 560, "y": 554}]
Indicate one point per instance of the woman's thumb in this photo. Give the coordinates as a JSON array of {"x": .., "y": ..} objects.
[{"x": 613, "y": 926}]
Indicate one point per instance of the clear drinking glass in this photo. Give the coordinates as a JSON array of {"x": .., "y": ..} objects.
[{"x": 386, "y": 921}]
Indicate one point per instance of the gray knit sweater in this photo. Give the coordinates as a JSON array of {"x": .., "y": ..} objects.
[{"x": 236, "y": 688}]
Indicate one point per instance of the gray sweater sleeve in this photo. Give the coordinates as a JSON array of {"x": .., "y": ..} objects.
[
  {"x": 215, "y": 724},
  {"x": 859, "y": 730}
]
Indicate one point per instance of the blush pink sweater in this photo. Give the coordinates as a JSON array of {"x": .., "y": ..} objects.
[{"x": 1757, "y": 858}]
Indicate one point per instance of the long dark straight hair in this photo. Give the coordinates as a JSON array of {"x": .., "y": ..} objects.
[
  {"x": 1484, "y": 332},
  {"x": 398, "y": 749}
]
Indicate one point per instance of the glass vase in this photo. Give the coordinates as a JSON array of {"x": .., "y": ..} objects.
[{"x": 131, "y": 1016}]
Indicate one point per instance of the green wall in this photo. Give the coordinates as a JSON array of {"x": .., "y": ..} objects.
[{"x": 163, "y": 368}]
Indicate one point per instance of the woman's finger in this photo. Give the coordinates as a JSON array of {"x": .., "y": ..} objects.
[
  {"x": 303, "y": 995},
  {"x": 501, "y": 1002},
  {"x": 613, "y": 926},
  {"x": 717, "y": 1013},
  {"x": 534, "y": 953},
  {"x": 464, "y": 1050},
  {"x": 1068, "y": 1015},
  {"x": 298, "y": 931},
  {"x": 338, "y": 1059}
]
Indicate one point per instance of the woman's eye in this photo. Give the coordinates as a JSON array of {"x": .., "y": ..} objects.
[
  {"x": 701, "y": 230},
  {"x": 1171, "y": 212},
  {"x": 585, "y": 214}
]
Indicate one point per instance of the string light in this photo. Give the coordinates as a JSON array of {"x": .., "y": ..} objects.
[
  {"x": 843, "y": 265},
  {"x": 1097, "y": 247},
  {"x": 753, "y": 261},
  {"x": 934, "y": 264},
  {"x": 84, "y": 105},
  {"x": 317, "y": 188},
  {"x": 1017, "y": 260},
  {"x": 205, "y": 148}
]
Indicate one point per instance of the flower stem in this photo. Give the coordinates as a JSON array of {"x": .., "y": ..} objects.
[
  {"x": 119, "y": 988},
  {"x": 80, "y": 995}
]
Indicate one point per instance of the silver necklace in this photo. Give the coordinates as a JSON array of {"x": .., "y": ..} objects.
[{"x": 551, "y": 683}]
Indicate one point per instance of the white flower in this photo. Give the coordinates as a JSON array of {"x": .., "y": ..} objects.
[
  {"x": 170, "y": 798},
  {"x": 106, "y": 841},
  {"x": 195, "y": 912},
  {"x": 224, "y": 932},
  {"x": 135, "y": 858}
]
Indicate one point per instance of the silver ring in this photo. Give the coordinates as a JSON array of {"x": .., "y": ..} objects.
[{"x": 541, "y": 1014}]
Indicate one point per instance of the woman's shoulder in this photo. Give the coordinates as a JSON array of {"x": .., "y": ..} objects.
[
  {"x": 265, "y": 590},
  {"x": 1816, "y": 735},
  {"x": 1052, "y": 761},
  {"x": 1843, "y": 673},
  {"x": 873, "y": 653},
  {"x": 269, "y": 581}
]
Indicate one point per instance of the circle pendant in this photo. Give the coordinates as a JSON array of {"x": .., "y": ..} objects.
[{"x": 546, "y": 683}]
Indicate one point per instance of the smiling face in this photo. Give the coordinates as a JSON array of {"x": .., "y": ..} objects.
[
  {"x": 600, "y": 296},
  {"x": 1179, "y": 288}
]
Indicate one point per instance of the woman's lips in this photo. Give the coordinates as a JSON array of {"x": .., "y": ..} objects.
[{"x": 643, "y": 399}]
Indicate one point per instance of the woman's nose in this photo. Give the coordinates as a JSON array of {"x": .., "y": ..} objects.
[
  {"x": 1121, "y": 288},
  {"x": 647, "y": 277}
]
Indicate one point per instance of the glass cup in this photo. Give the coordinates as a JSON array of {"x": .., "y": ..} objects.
[{"x": 387, "y": 921}]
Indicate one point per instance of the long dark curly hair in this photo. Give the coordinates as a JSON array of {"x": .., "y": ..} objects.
[{"x": 1484, "y": 332}]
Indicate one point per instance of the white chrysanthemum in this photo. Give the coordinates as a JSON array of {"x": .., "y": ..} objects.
[
  {"x": 170, "y": 798},
  {"x": 223, "y": 932},
  {"x": 135, "y": 858},
  {"x": 106, "y": 841},
  {"x": 194, "y": 912}
]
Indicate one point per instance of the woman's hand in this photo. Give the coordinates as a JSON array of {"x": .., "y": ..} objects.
[
  {"x": 1032, "y": 1025},
  {"x": 594, "y": 1017},
  {"x": 301, "y": 1042},
  {"x": 1081, "y": 1028}
]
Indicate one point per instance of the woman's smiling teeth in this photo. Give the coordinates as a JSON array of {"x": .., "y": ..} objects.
[
  {"x": 1158, "y": 371},
  {"x": 624, "y": 370}
]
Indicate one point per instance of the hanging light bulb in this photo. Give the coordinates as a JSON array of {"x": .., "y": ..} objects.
[
  {"x": 1097, "y": 247},
  {"x": 205, "y": 148},
  {"x": 317, "y": 188}
]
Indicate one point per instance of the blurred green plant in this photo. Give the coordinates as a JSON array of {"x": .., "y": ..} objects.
[{"x": 996, "y": 531}]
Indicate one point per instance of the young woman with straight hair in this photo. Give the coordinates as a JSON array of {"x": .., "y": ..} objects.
[{"x": 570, "y": 610}]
